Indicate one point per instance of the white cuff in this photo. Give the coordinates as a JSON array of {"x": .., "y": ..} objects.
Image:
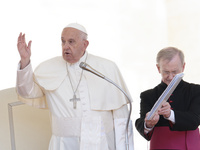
[
  {"x": 120, "y": 134},
  {"x": 29, "y": 92},
  {"x": 147, "y": 130},
  {"x": 19, "y": 66},
  {"x": 25, "y": 85},
  {"x": 171, "y": 117},
  {"x": 24, "y": 80}
]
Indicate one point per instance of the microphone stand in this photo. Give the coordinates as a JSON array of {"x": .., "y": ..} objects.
[
  {"x": 86, "y": 67},
  {"x": 129, "y": 115}
]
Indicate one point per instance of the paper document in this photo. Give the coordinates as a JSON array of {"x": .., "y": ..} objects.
[{"x": 165, "y": 95}]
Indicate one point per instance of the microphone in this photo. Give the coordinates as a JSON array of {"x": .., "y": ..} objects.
[{"x": 87, "y": 67}]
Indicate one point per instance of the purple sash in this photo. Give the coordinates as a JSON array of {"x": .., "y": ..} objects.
[{"x": 163, "y": 138}]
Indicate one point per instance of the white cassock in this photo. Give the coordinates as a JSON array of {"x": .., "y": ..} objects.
[{"x": 98, "y": 122}]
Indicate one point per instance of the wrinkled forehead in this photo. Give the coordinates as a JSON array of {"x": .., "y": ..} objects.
[{"x": 70, "y": 33}]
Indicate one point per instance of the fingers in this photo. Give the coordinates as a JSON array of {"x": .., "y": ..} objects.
[
  {"x": 165, "y": 106},
  {"x": 22, "y": 42},
  {"x": 155, "y": 117},
  {"x": 29, "y": 46},
  {"x": 151, "y": 123},
  {"x": 24, "y": 49},
  {"x": 165, "y": 110},
  {"x": 21, "y": 38}
]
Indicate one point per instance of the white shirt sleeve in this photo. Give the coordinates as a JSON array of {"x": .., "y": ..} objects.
[
  {"x": 147, "y": 130},
  {"x": 171, "y": 117},
  {"x": 26, "y": 87},
  {"x": 120, "y": 121}
]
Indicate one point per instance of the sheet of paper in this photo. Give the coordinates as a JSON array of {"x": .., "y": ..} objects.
[{"x": 166, "y": 94}]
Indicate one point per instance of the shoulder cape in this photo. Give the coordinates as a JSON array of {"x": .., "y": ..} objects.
[{"x": 103, "y": 95}]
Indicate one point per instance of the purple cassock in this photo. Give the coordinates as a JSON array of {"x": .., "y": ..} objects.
[{"x": 163, "y": 138}]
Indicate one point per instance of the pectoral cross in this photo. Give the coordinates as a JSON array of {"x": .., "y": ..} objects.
[{"x": 74, "y": 100}]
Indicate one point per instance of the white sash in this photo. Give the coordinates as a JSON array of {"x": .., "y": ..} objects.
[
  {"x": 65, "y": 127},
  {"x": 91, "y": 133}
]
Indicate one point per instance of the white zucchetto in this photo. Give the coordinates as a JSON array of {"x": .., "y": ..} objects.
[{"x": 77, "y": 26}]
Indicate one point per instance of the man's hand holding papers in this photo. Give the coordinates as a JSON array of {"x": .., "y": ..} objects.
[
  {"x": 161, "y": 107},
  {"x": 165, "y": 110},
  {"x": 151, "y": 123},
  {"x": 165, "y": 95}
]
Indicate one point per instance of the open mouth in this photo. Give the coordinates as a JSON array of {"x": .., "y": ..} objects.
[{"x": 67, "y": 53}]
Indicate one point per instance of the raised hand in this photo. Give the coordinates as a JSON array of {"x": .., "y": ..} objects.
[{"x": 24, "y": 50}]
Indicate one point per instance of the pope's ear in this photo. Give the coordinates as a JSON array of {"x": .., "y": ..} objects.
[
  {"x": 86, "y": 43},
  {"x": 158, "y": 67}
]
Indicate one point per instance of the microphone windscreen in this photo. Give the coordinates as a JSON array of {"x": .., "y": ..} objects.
[{"x": 82, "y": 65}]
